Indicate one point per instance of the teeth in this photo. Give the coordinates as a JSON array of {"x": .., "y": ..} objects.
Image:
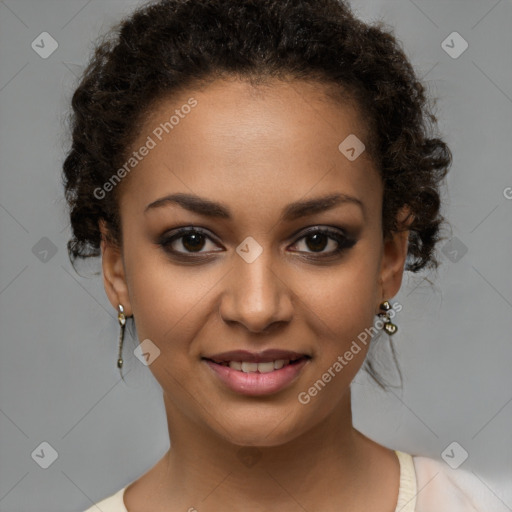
[
  {"x": 250, "y": 367},
  {"x": 280, "y": 363},
  {"x": 264, "y": 367}
]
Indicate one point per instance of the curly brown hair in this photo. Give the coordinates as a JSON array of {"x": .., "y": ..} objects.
[{"x": 164, "y": 47}]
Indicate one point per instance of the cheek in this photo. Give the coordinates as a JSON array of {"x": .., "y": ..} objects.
[
  {"x": 343, "y": 309},
  {"x": 163, "y": 302},
  {"x": 344, "y": 300},
  {"x": 170, "y": 302}
]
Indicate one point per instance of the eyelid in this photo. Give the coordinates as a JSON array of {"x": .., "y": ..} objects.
[
  {"x": 175, "y": 234},
  {"x": 320, "y": 227},
  {"x": 339, "y": 235}
]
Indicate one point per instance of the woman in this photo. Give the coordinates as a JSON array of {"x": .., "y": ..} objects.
[{"x": 256, "y": 176}]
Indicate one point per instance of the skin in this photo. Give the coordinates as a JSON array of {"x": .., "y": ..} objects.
[{"x": 257, "y": 149}]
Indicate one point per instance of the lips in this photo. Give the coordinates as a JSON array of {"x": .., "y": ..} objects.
[
  {"x": 256, "y": 357},
  {"x": 254, "y": 382}
]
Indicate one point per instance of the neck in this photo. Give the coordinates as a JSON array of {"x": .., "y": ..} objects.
[{"x": 328, "y": 456}]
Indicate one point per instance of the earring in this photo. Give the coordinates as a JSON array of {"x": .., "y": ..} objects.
[
  {"x": 122, "y": 322},
  {"x": 389, "y": 327}
]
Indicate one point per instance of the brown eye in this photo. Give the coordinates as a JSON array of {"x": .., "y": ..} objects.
[
  {"x": 189, "y": 241},
  {"x": 192, "y": 240},
  {"x": 319, "y": 239}
]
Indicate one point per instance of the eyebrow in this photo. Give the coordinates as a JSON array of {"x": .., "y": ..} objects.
[{"x": 293, "y": 211}]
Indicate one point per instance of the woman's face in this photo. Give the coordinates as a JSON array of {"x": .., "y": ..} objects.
[{"x": 253, "y": 278}]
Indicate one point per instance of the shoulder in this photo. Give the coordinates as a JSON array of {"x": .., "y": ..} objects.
[
  {"x": 114, "y": 503},
  {"x": 443, "y": 489}
]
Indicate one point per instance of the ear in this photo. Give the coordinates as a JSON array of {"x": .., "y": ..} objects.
[
  {"x": 394, "y": 256},
  {"x": 114, "y": 279}
]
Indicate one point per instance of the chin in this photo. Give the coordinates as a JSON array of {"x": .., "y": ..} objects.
[{"x": 267, "y": 431}]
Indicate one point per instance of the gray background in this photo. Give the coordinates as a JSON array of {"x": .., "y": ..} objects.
[{"x": 58, "y": 379}]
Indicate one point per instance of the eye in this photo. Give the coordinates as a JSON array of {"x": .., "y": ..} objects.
[
  {"x": 191, "y": 239},
  {"x": 318, "y": 239},
  {"x": 194, "y": 240}
]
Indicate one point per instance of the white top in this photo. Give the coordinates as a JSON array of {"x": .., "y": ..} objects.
[{"x": 426, "y": 485}]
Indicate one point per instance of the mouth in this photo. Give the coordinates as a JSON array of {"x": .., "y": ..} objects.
[
  {"x": 262, "y": 362},
  {"x": 257, "y": 374},
  {"x": 261, "y": 367}
]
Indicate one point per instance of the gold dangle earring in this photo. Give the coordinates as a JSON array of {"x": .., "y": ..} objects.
[
  {"x": 122, "y": 322},
  {"x": 389, "y": 327}
]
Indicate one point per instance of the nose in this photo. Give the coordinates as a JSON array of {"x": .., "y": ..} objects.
[{"x": 256, "y": 296}]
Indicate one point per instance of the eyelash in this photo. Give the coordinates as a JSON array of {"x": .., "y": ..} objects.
[{"x": 344, "y": 243}]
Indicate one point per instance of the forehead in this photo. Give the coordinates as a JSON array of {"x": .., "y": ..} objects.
[{"x": 233, "y": 140}]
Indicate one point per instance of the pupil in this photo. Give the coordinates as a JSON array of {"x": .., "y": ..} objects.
[
  {"x": 197, "y": 242},
  {"x": 316, "y": 236}
]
